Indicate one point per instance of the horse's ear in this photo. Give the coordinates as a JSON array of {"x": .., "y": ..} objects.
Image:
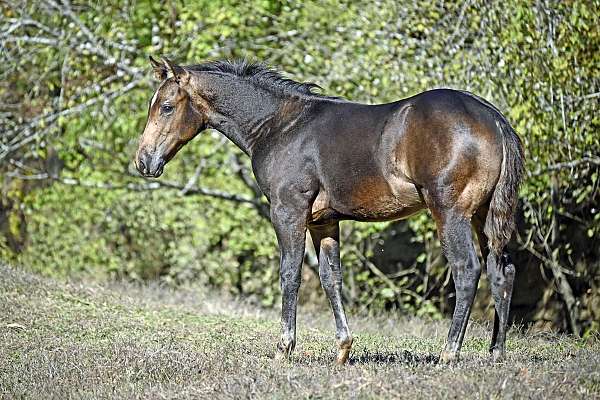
[
  {"x": 181, "y": 75},
  {"x": 160, "y": 70}
]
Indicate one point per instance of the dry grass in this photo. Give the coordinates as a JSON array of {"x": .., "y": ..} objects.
[{"x": 82, "y": 340}]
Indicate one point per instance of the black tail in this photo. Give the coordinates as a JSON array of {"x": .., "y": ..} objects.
[{"x": 500, "y": 220}]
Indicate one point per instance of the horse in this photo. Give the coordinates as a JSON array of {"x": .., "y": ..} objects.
[{"x": 320, "y": 160}]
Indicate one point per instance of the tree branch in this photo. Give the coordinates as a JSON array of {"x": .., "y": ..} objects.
[
  {"x": 156, "y": 185},
  {"x": 46, "y": 119},
  {"x": 567, "y": 165}
]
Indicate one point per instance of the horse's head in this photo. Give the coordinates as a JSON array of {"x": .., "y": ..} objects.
[{"x": 173, "y": 120}]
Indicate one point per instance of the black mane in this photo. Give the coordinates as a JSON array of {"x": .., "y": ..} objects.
[{"x": 260, "y": 74}]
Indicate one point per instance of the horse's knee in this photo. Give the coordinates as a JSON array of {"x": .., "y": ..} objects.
[
  {"x": 326, "y": 278},
  {"x": 466, "y": 274},
  {"x": 344, "y": 339},
  {"x": 290, "y": 282},
  {"x": 464, "y": 287}
]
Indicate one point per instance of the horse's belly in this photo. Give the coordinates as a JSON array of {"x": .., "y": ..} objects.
[
  {"x": 373, "y": 199},
  {"x": 384, "y": 208},
  {"x": 387, "y": 211}
]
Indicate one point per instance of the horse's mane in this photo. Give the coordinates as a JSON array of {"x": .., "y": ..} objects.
[{"x": 259, "y": 74}]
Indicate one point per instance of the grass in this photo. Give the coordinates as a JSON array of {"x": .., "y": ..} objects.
[{"x": 84, "y": 340}]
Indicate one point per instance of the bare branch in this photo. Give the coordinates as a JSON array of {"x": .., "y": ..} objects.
[
  {"x": 567, "y": 165},
  {"x": 242, "y": 173},
  {"x": 46, "y": 119},
  {"x": 587, "y": 96},
  {"x": 33, "y": 39},
  {"x": 192, "y": 181},
  {"x": 156, "y": 185},
  {"x": 461, "y": 16},
  {"x": 397, "y": 290}
]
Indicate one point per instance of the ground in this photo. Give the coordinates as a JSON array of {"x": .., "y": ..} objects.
[{"x": 88, "y": 340}]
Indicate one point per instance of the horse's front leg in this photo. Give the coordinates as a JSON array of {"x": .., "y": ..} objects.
[
  {"x": 327, "y": 246},
  {"x": 290, "y": 226}
]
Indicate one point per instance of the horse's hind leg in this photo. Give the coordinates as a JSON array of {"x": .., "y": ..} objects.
[
  {"x": 501, "y": 274},
  {"x": 327, "y": 246},
  {"x": 454, "y": 231}
]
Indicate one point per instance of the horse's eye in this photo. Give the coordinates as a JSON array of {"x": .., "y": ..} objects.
[{"x": 166, "y": 109}]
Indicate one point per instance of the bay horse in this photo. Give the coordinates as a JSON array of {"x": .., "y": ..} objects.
[{"x": 319, "y": 160}]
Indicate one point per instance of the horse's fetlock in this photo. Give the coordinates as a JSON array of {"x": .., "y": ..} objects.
[
  {"x": 498, "y": 354},
  {"x": 345, "y": 341}
]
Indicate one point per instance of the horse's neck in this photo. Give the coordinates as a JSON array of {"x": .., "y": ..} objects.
[
  {"x": 248, "y": 124},
  {"x": 232, "y": 130},
  {"x": 242, "y": 131}
]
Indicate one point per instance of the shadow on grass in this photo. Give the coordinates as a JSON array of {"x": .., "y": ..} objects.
[
  {"x": 403, "y": 357},
  {"x": 365, "y": 357}
]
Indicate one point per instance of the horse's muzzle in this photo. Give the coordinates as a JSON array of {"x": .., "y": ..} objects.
[{"x": 149, "y": 165}]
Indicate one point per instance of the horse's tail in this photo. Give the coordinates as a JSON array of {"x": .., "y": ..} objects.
[{"x": 500, "y": 220}]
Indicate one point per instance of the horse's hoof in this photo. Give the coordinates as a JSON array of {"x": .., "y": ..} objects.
[
  {"x": 280, "y": 356},
  {"x": 342, "y": 356},
  {"x": 284, "y": 351},
  {"x": 497, "y": 355},
  {"x": 344, "y": 352},
  {"x": 448, "y": 357}
]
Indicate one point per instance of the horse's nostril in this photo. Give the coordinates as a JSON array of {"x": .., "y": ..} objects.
[
  {"x": 161, "y": 166},
  {"x": 142, "y": 166}
]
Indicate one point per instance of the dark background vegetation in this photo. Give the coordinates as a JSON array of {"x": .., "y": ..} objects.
[{"x": 74, "y": 88}]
